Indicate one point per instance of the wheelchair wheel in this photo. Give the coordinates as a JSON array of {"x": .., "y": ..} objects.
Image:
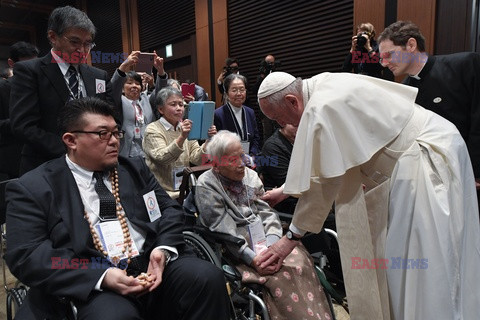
[
  {"x": 15, "y": 298},
  {"x": 201, "y": 248}
]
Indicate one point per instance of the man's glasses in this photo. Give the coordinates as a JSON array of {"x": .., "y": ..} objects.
[
  {"x": 78, "y": 43},
  {"x": 104, "y": 134}
]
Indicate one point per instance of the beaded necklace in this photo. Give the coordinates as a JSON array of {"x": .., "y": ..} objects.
[{"x": 127, "y": 240}]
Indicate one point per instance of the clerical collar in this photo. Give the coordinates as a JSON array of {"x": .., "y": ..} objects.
[{"x": 417, "y": 76}]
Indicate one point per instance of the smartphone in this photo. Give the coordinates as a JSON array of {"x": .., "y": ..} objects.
[
  {"x": 145, "y": 62},
  {"x": 188, "y": 88}
]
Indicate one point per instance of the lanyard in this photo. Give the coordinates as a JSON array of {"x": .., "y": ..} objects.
[{"x": 238, "y": 129}]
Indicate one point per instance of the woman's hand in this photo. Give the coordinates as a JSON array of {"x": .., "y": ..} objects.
[
  {"x": 130, "y": 62},
  {"x": 158, "y": 64},
  {"x": 212, "y": 131},
  {"x": 268, "y": 270},
  {"x": 188, "y": 98},
  {"x": 186, "y": 127}
]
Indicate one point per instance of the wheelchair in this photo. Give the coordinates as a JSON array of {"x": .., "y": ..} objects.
[{"x": 245, "y": 299}]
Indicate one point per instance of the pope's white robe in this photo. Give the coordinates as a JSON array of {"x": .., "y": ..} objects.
[{"x": 404, "y": 190}]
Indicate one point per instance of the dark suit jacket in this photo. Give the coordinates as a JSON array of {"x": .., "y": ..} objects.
[
  {"x": 10, "y": 146},
  {"x": 38, "y": 92},
  {"x": 449, "y": 85},
  {"x": 224, "y": 120},
  {"x": 45, "y": 218}
]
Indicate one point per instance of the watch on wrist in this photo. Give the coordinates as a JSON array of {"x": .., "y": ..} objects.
[
  {"x": 291, "y": 236},
  {"x": 167, "y": 256}
]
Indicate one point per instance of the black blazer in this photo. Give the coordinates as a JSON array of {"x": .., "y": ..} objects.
[
  {"x": 224, "y": 120},
  {"x": 38, "y": 92},
  {"x": 45, "y": 218}
]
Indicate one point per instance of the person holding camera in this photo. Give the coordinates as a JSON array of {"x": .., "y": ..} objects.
[
  {"x": 363, "y": 57},
  {"x": 266, "y": 127},
  {"x": 231, "y": 67}
]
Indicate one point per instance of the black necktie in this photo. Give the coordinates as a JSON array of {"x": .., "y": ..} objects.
[
  {"x": 73, "y": 82},
  {"x": 107, "y": 200}
]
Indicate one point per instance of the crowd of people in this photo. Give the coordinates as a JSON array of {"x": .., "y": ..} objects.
[{"x": 97, "y": 162}]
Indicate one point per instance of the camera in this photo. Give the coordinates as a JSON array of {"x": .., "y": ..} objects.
[
  {"x": 362, "y": 40},
  {"x": 229, "y": 70},
  {"x": 268, "y": 67}
]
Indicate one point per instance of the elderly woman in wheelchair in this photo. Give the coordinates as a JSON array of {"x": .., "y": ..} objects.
[{"x": 228, "y": 199}]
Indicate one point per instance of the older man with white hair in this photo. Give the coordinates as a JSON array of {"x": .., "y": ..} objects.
[{"x": 402, "y": 181}]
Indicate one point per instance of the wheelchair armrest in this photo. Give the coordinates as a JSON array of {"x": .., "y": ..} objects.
[{"x": 219, "y": 237}]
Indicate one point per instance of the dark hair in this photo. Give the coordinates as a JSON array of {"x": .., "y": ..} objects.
[
  {"x": 229, "y": 61},
  {"x": 66, "y": 17},
  {"x": 399, "y": 32},
  {"x": 70, "y": 117},
  {"x": 135, "y": 77},
  {"x": 228, "y": 80},
  {"x": 20, "y": 50}
]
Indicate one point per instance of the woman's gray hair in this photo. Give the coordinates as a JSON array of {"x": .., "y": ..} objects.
[
  {"x": 171, "y": 82},
  {"x": 163, "y": 95},
  {"x": 219, "y": 143},
  {"x": 63, "y": 18},
  {"x": 277, "y": 99}
]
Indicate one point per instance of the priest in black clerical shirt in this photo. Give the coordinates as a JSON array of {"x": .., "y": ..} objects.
[{"x": 447, "y": 84}]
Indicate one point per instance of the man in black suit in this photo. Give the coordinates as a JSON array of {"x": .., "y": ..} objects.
[
  {"x": 42, "y": 86},
  {"x": 449, "y": 85},
  {"x": 66, "y": 253},
  {"x": 11, "y": 146}
]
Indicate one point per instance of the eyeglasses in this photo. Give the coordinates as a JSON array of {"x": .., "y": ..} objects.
[
  {"x": 236, "y": 90},
  {"x": 78, "y": 43},
  {"x": 104, "y": 134}
]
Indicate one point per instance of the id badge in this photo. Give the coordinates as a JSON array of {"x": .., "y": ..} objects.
[
  {"x": 258, "y": 239},
  {"x": 137, "y": 133},
  {"x": 152, "y": 206},
  {"x": 111, "y": 236},
  {"x": 177, "y": 181},
  {"x": 246, "y": 147}
]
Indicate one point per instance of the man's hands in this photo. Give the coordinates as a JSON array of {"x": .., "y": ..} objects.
[
  {"x": 274, "y": 196},
  {"x": 118, "y": 281},
  {"x": 156, "y": 267},
  {"x": 273, "y": 257}
]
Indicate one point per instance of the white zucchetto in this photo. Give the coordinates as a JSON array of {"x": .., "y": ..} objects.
[{"x": 273, "y": 83}]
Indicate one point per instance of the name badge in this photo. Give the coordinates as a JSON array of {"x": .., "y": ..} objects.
[
  {"x": 258, "y": 239},
  {"x": 99, "y": 86},
  {"x": 152, "y": 206},
  {"x": 137, "y": 133},
  {"x": 111, "y": 236},
  {"x": 246, "y": 147},
  {"x": 177, "y": 181}
]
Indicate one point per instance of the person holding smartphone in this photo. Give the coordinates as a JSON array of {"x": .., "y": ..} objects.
[{"x": 132, "y": 103}]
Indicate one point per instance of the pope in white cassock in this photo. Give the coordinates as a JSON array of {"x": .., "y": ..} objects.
[{"x": 402, "y": 182}]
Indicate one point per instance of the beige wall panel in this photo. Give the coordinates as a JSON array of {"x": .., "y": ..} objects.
[{"x": 422, "y": 13}]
